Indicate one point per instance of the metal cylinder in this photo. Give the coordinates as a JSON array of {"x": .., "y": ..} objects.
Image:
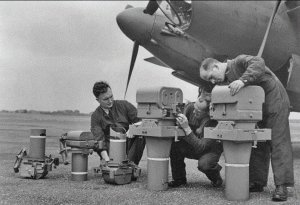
[
  {"x": 79, "y": 165},
  {"x": 117, "y": 149},
  {"x": 237, "y": 182},
  {"x": 37, "y": 144},
  {"x": 158, "y": 147},
  {"x": 157, "y": 171},
  {"x": 158, "y": 151},
  {"x": 38, "y": 132},
  {"x": 237, "y": 157}
]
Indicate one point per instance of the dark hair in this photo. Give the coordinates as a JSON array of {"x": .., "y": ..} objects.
[
  {"x": 100, "y": 87},
  {"x": 207, "y": 63},
  {"x": 206, "y": 96}
]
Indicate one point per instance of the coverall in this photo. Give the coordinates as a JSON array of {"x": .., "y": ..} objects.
[
  {"x": 122, "y": 114},
  {"x": 194, "y": 146},
  {"x": 252, "y": 71}
]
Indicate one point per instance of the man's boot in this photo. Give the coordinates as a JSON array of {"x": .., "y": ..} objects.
[
  {"x": 254, "y": 187},
  {"x": 280, "y": 193},
  {"x": 215, "y": 178},
  {"x": 177, "y": 182}
]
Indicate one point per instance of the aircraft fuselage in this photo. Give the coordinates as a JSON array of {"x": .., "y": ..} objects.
[{"x": 219, "y": 29}]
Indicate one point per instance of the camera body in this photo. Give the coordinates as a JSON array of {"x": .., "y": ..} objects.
[
  {"x": 245, "y": 106},
  {"x": 159, "y": 102},
  {"x": 179, "y": 109}
]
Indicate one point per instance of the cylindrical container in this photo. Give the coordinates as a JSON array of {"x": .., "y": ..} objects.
[
  {"x": 37, "y": 144},
  {"x": 117, "y": 149},
  {"x": 158, "y": 147},
  {"x": 157, "y": 171},
  {"x": 158, "y": 151},
  {"x": 38, "y": 132},
  {"x": 237, "y": 157},
  {"x": 237, "y": 182},
  {"x": 79, "y": 165}
]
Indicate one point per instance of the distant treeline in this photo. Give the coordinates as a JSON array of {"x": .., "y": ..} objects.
[{"x": 59, "y": 112}]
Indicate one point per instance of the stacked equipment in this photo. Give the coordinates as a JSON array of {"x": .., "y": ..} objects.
[
  {"x": 81, "y": 145},
  {"x": 36, "y": 165},
  {"x": 119, "y": 170},
  {"x": 237, "y": 117},
  {"x": 157, "y": 107}
]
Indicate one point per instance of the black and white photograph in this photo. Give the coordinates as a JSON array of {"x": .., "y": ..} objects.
[{"x": 150, "y": 102}]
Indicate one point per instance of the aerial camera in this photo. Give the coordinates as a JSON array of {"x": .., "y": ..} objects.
[
  {"x": 158, "y": 108},
  {"x": 237, "y": 129},
  {"x": 163, "y": 103}
]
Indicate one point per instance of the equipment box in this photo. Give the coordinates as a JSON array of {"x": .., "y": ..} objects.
[
  {"x": 81, "y": 144},
  {"x": 80, "y": 135},
  {"x": 117, "y": 175},
  {"x": 246, "y": 105}
]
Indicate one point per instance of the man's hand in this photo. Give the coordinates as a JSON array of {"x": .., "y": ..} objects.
[
  {"x": 129, "y": 134},
  {"x": 235, "y": 86},
  {"x": 183, "y": 122},
  {"x": 105, "y": 156},
  {"x": 137, "y": 123}
]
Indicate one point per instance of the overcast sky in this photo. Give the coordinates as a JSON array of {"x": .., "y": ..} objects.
[{"x": 52, "y": 53}]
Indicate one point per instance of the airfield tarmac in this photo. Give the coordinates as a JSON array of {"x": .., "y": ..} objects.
[{"x": 57, "y": 187}]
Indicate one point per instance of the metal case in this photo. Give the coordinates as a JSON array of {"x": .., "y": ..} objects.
[
  {"x": 158, "y": 102},
  {"x": 246, "y": 105},
  {"x": 117, "y": 175}
]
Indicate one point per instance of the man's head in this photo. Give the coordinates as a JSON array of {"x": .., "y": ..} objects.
[
  {"x": 212, "y": 70},
  {"x": 103, "y": 94},
  {"x": 201, "y": 106}
]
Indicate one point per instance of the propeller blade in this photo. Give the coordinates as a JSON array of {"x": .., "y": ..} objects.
[
  {"x": 133, "y": 58},
  {"x": 151, "y": 7},
  {"x": 260, "y": 52}
]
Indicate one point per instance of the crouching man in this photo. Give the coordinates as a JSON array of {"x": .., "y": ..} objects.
[
  {"x": 194, "y": 146},
  {"x": 114, "y": 113}
]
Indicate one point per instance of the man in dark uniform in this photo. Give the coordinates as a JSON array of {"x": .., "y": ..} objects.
[
  {"x": 114, "y": 113},
  {"x": 251, "y": 70},
  {"x": 194, "y": 146}
]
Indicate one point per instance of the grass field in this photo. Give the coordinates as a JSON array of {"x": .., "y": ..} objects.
[{"x": 58, "y": 188}]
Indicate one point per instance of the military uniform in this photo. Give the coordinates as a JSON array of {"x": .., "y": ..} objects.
[
  {"x": 194, "y": 146},
  {"x": 122, "y": 114},
  {"x": 252, "y": 71}
]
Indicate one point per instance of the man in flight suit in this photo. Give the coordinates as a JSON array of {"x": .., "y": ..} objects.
[
  {"x": 194, "y": 146},
  {"x": 251, "y": 70},
  {"x": 114, "y": 113}
]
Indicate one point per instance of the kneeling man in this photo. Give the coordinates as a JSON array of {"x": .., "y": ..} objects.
[{"x": 194, "y": 146}]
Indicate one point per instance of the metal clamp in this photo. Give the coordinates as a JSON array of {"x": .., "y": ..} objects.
[
  {"x": 254, "y": 137},
  {"x": 224, "y": 110}
]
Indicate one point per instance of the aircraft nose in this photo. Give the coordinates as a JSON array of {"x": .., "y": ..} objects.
[{"x": 136, "y": 25}]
